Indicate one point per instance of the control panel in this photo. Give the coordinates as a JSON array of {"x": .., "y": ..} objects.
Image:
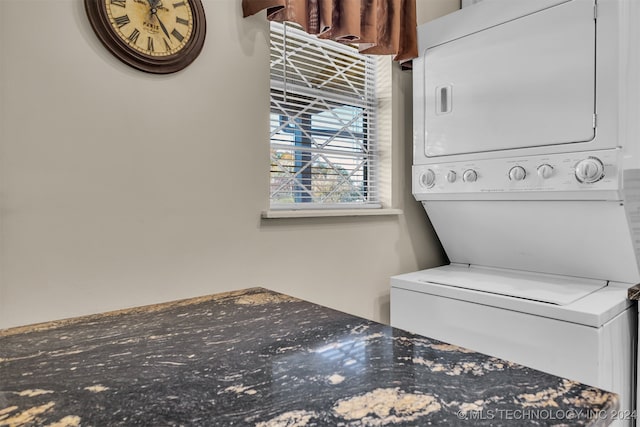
[{"x": 567, "y": 172}]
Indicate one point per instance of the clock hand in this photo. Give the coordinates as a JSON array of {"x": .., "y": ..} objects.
[
  {"x": 154, "y": 11},
  {"x": 164, "y": 29}
]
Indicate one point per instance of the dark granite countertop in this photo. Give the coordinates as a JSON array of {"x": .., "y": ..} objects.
[
  {"x": 634, "y": 293},
  {"x": 259, "y": 358}
]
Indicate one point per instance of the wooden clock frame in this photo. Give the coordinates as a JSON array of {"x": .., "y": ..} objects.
[{"x": 97, "y": 14}]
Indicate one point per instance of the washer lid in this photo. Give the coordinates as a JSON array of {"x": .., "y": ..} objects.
[{"x": 550, "y": 289}]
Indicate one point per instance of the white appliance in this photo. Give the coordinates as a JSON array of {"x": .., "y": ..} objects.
[
  {"x": 466, "y": 3},
  {"x": 526, "y": 159}
]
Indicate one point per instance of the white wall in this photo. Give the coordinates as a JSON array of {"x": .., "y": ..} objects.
[
  {"x": 426, "y": 10},
  {"x": 120, "y": 188}
]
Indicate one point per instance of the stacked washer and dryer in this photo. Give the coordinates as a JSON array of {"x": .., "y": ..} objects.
[{"x": 527, "y": 162}]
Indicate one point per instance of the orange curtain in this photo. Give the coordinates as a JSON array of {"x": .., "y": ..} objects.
[{"x": 378, "y": 27}]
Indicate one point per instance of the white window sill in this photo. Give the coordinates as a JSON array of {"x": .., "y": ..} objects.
[{"x": 323, "y": 213}]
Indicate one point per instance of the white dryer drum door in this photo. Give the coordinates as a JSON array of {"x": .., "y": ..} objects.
[{"x": 526, "y": 83}]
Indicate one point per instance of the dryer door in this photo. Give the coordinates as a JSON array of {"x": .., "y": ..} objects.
[{"x": 524, "y": 83}]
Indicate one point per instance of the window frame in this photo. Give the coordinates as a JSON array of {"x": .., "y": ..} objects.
[{"x": 303, "y": 134}]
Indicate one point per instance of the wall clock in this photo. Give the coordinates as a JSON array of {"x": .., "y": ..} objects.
[{"x": 156, "y": 36}]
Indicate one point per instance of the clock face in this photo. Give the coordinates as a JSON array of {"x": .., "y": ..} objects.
[
  {"x": 158, "y": 36},
  {"x": 152, "y": 27}
]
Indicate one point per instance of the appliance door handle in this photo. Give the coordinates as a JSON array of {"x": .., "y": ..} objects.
[{"x": 444, "y": 99}]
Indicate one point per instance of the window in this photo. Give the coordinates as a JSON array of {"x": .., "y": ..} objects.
[{"x": 322, "y": 123}]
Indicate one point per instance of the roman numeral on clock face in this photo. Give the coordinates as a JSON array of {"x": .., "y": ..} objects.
[
  {"x": 177, "y": 34},
  {"x": 133, "y": 37},
  {"x": 121, "y": 21},
  {"x": 121, "y": 3},
  {"x": 150, "y": 44},
  {"x": 182, "y": 21},
  {"x": 179, "y": 4}
]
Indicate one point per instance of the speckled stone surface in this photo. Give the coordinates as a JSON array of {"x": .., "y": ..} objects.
[
  {"x": 259, "y": 358},
  {"x": 634, "y": 293}
]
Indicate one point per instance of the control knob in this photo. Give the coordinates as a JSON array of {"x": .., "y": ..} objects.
[
  {"x": 451, "y": 176},
  {"x": 589, "y": 170},
  {"x": 470, "y": 175},
  {"x": 517, "y": 173},
  {"x": 545, "y": 171},
  {"x": 428, "y": 178}
]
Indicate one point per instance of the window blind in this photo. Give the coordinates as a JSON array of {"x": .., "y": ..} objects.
[{"x": 322, "y": 123}]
